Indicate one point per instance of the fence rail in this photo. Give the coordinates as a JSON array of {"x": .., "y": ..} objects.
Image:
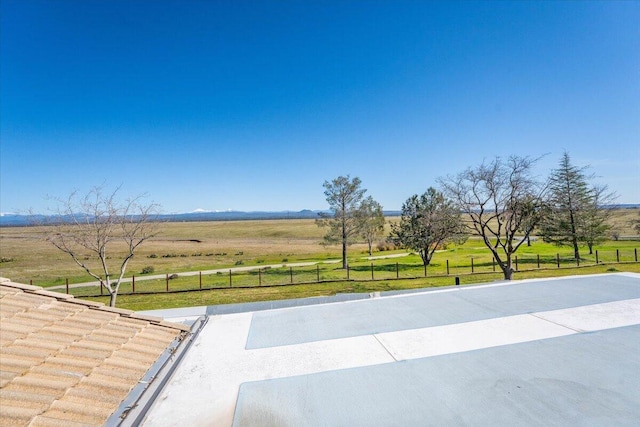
[{"x": 383, "y": 269}]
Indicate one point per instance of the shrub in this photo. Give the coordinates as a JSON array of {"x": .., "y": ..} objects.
[
  {"x": 239, "y": 262},
  {"x": 153, "y": 256},
  {"x": 148, "y": 270},
  {"x": 173, "y": 276}
]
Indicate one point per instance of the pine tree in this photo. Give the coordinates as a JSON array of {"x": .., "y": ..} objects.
[{"x": 575, "y": 211}]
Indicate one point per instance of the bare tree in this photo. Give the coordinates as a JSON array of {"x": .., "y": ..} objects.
[
  {"x": 86, "y": 227},
  {"x": 427, "y": 222},
  {"x": 371, "y": 221},
  {"x": 344, "y": 196},
  {"x": 501, "y": 199}
]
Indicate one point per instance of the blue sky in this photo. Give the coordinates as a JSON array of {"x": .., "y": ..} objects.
[{"x": 252, "y": 105}]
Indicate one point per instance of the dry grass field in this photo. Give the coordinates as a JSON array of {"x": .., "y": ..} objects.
[{"x": 197, "y": 246}]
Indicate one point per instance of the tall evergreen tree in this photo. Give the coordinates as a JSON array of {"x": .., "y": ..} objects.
[{"x": 575, "y": 211}]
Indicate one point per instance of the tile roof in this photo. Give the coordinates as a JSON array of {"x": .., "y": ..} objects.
[{"x": 68, "y": 362}]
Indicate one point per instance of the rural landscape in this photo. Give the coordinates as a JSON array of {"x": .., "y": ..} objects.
[
  {"x": 182, "y": 247},
  {"x": 319, "y": 213},
  {"x": 489, "y": 222}
]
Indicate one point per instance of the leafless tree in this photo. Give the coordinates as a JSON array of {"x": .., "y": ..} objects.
[
  {"x": 86, "y": 227},
  {"x": 501, "y": 199}
]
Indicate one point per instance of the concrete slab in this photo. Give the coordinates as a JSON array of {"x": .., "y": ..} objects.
[
  {"x": 541, "y": 352},
  {"x": 563, "y": 381}
]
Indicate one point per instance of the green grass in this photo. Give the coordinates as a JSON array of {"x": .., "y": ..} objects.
[
  {"x": 204, "y": 246},
  {"x": 229, "y": 296}
]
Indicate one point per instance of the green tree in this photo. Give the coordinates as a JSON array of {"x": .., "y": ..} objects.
[
  {"x": 501, "y": 200},
  {"x": 576, "y": 212},
  {"x": 344, "y": 196},
  {"x": 597, "y": 216},
  {"x": 371, "y": 221},
  {"x": 427, "y": 222}
]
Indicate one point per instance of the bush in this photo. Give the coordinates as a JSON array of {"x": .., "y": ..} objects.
[
  {"x": 239, "y": 262},
  {"x": 386, "y": 245},
  {"x": 148, "y": 270},
  {"x": 153, "y": 256},
  {"x": 173, "y": 276}
]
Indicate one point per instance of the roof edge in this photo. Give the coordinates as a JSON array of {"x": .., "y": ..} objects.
[
  {"x": 134, "y": 408},
  {"x": 93, "y": 305}
]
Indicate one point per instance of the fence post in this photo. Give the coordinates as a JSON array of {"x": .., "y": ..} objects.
[
  {"x": 67, "y": 285},
  {"x": 167, "y": 281},
  {"x": 493, "y": 262},
  {"x": 291, "y": 274},
  {"x": 317, "y": 273},
  {"x": 259, "y": 277},
  {"x": 372, "y": 271},
  {"x": 596, "y": 256},
  {"x": 425, "y": 269},
  {"x": 578, "y": 262},
  {"x": 31, "y": 281},
  {"x": 617, "y": 255},
  {"x": 635, "y": 252},
  {"x": 538, "y": 261},
  {"x": 398, "y": 272},
  {"x": 472, "y": 264},
  {"x": 200, "y": 279},
  {"x": 230, "y": 282},
  {"x": 516, "y": 262},
  {"x": 133, "y": 284},
  {"x": 100, "y": 288},
  {"x": 447, "y": 267},
  {"x": 347, "y": 271},
  {"x": 558, "y": 259}
]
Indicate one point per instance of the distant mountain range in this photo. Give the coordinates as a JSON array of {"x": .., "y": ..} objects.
[{"x": 14, "y": 220}]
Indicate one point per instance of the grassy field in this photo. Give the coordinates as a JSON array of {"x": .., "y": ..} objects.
[{"x": 199, "y": 246}]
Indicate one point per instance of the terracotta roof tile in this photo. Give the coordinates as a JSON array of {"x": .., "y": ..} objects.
[
  {"x": 16, "y": 415},
  {"x": 42, "y": 421},
  {"x": 67, "y": 362}
]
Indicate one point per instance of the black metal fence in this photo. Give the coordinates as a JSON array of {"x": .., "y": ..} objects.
[{"x": 382, "y": 269}]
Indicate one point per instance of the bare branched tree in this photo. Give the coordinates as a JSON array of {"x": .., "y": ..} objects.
[
  {"x": 502, "y": 200},
  {"x": 86, "y": 227}
]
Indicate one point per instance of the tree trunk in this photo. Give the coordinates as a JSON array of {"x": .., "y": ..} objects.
[
  {"x": 506, "y": 268},
  {"x": 112, "y": 299},
  {"x": 344, "y": 254},
  {"x": 576, "y": 250}
]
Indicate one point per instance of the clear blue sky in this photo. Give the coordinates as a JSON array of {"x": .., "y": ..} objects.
[{"x": 253, "y": 105}]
